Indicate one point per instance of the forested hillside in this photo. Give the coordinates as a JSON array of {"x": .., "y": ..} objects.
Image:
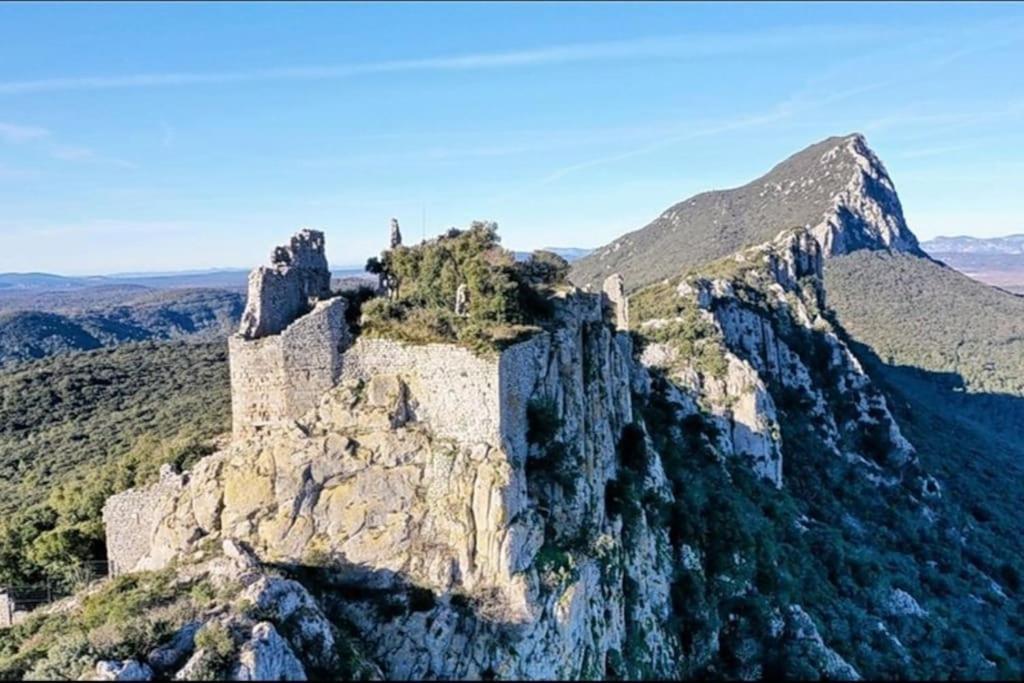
[
  {"x": 58, "y": 322},
  {"x": 78, "y": 427}
]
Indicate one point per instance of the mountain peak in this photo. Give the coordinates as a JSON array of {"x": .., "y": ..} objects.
[
  {"x": 837, "y": 188},
  {"x": 866, "y": 212}
]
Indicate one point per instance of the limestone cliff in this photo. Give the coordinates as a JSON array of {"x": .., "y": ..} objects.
[
  {"x": 764, "y": 308},
  {"x": 388, "y": 491}
]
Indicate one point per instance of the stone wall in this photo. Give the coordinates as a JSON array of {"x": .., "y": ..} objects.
[
  {"x": 296, "y": 279},
  {"x": 131, "y": 518},
  {"x": 281, "y": 377},
  {"x": 6, "y": 610},
  {"x": 452, "y": 390}
]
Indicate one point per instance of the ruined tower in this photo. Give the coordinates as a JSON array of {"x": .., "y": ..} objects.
[{"x": 287, "y": 351}]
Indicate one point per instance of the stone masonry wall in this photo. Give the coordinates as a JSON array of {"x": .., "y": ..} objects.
[
  {"x": 130, "y": 519},
  {"x": 450, "y": 388},
  {"x": 282, "y": 376}
]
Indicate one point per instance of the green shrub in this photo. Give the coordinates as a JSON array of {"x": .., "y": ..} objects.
[
  {"x": 216, "y": 639},
  {"x": 507, "y": 301},
  {"x": 543, "y": 420}
]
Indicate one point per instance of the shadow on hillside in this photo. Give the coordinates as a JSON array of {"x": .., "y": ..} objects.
[
  {"x": 390, "y": 594},
  {"x": 972, "y": 442}
]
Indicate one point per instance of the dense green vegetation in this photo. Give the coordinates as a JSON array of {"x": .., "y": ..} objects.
[
  {"x": 831, "y": 541},
  {"x": 76, "y": 428},
  {"x": 506, "y": 299},
  {"x": 917, "y": 313}
]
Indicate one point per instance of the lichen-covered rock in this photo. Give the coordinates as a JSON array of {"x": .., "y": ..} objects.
[
  {"x": 510, "y": 515},
  {"x": 266, "y": 656},
  {"x": 174, "y": 653},
  {"x": 900, "y": 603},
  {"x": 127, "y": 670},
  {"x": 804, "y": 640},
  {"x": 766, "y": 312}
]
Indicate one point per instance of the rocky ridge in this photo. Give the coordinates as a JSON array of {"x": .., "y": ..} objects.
[{"x": 765, "y": 307}]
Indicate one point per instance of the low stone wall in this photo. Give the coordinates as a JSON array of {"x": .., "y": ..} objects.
[
  {"x": 131, "y": 517},
  {"x": 282, "y": 376},
  {"x": 6, "y": 610}
]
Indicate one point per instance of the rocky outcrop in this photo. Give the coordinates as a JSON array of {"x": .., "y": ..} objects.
[
  {"x": 866, "y": 213},
  {"x": 127, "y": 670},
  {"x": 764, "y": 307},
  {"x": 837, "y": 188},
  {"x": 614, "y": 288},
  {"x": 479, "y": 482},
  {"x": 509, "y": 515}
]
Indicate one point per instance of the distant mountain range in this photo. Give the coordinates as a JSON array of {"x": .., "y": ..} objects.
[
  {"x": 42, "y": 314},
  {"x": 962, "y": 244},
  {"x": 221, "y": 278},
  {"x": 996, "y": 261},
  {"x": 91, "y": 318}
]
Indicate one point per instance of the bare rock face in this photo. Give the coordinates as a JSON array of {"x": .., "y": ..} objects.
[
  {"x": 127, "y": 670},
  {"x": 614, "y": 288},
  {"x": 266, "y": 656},
  {"x": 296, "y": 279},
  {"x": 866, "y": 213},
  {"x": 804, "y": 640},
  {"x": 759, "y": 352},
  {"x": 385, "y": 486},
  {"x": 463, "y": 513}
]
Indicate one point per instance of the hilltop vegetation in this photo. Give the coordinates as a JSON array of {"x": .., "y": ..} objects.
[
  {"x": 831, "y": 540},
  {"x": 506, "y": 300},
  {"x": 917, "y": 313},
  {"x": 799, "y": 191}
]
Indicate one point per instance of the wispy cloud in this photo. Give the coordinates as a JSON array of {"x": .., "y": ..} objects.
[
  {"x": 10, "y": 132},
  {"x": 690, "y": 46},
  {"x": 78, "y": 153},
  {"x": 11, "y": 173},
  {"x": 21, "y": 134}
]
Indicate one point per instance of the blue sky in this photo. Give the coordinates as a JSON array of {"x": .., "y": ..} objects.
[{"x": 170, "y": 136}]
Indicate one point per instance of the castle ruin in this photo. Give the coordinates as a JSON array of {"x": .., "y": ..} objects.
[{"x": 287, "y": 351}]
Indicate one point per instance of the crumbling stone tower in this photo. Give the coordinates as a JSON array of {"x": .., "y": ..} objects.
[
  {"x": 287, "y": 351},
  {"x": 297, "y": 277}
]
